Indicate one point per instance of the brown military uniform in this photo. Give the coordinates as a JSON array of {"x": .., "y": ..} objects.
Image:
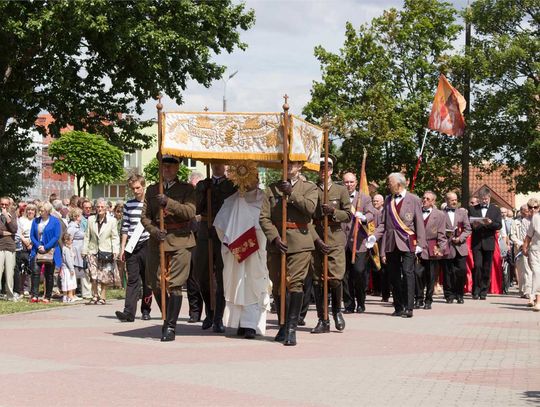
[
  {"x": 301, "y": 205},
  {"x": 339, "y": 199},
  {"x": 179, "y": 242}
]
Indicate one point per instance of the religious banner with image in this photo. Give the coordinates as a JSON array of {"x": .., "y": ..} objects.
[{"x": 240, "y": 136}]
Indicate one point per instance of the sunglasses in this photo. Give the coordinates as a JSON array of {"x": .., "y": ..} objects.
[{"x": 533, "y": 207}]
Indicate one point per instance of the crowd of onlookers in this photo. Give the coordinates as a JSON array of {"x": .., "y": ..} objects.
[
  {"x": 84, "y": 259},
  {"x": 519, "y": 244},
  {"x": 58, "y": 242}
]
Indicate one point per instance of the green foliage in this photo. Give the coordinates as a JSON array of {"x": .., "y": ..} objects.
[
  {"x": 379, "y": 88},
  {"x": 151, "y": 172},
  {"x": 18, "y": 169},
  {"x": 505, "y": 61},
  {"x": 93, "y": 64},
  {"x": 88, "y": 157}
]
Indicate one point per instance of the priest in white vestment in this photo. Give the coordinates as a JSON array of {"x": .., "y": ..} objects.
[{"x": 245, "y": 274}]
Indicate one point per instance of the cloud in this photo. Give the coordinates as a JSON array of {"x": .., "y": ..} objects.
[{"x": 279, "y": 58}]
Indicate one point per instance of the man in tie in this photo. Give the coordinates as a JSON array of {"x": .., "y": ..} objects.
[
  {"x": 435, "y": 225},
  {"x": 403, "y": 237},
  {"x": 301, "y": 199},
  {"x": 338, "y": 211},
  {"x": 381, "y": 280},
  {"x": 350, "y": 182},
  {"x": 486, "y": 220},
  {"x": 458, "y": 229},
  {"x": 220, "y": 188},
  {"x": 364, "y": 211}
]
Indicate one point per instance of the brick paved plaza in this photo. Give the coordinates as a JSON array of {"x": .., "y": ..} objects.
[{"x": 482, "y": 353}]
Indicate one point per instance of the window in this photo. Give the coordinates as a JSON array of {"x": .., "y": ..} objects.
[
  {"x": 189, "y": 162},
  {"x": 115, "y": 191},
  {"x": 131, "y": 160}
]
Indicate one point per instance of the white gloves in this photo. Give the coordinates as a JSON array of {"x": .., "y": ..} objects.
[
  {"x": 418, "y": 250},
  {"x": 370, "y": 241},
  {"x": 360, "y": 216}
]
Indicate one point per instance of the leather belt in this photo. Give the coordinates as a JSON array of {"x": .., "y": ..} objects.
[
  {"x": 320, "y": 222},
  {"x": 294, "y": 225},
  {"x": 177, "y": 226}
]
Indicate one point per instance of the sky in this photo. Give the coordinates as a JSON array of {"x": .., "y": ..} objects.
[{"x": 279, "y": 58}]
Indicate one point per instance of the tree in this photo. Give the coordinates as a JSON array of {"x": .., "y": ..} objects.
[
  {"x": 151, "y": 172},
  {"x": 88, "y": 157},
  {"x": 16, "y": 175},
  {"x": 379, "y": 88},
  {"x": 505, "y": 120},
  {"x": 93, "y": 64}
]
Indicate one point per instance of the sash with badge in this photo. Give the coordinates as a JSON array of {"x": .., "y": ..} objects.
[{"x": 400, "y": 226}]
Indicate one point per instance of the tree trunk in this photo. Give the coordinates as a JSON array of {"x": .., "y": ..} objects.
[
  {"x": 78, "y": 178},
  {"x": 3, "y": 126}
]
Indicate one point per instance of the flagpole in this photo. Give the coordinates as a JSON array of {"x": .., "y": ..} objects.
[
  {"x": 466, "y": 148},
  {"x": 283, "y": 276},
  {"x": 326, "y": 126},
  {"x": 162, "y": 261},
  {"x": 358, "y": 207},
  {"x": 419, "y": 161}
]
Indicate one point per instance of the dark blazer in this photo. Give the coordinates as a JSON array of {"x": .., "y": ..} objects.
[
  {"x": 483, "y": 236},
  {"x": 49, "y": 238},
  {"x": 411, "y": 214}
]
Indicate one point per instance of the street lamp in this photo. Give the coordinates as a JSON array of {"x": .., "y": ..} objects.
[{"x": 225, "y": 89}]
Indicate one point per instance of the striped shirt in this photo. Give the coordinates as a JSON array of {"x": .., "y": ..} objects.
[{"x": 132, "y": 217}]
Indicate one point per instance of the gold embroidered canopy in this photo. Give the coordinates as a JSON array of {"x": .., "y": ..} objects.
[{"x": 209, "y": 136}]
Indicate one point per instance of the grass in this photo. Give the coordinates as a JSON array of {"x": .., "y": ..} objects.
[{"x": 8, "y": 307}]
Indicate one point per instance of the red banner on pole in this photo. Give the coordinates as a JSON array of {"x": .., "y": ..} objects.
[{"x": 447, "y": 111}]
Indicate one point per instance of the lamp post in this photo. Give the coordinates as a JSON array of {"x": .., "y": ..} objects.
[{"x": 225, "y": 80}]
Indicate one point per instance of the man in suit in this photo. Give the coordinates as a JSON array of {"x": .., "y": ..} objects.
[
  {"x": 458, "y": 229},
  {"x": 364, "y": 211},
  {"x": 484, "y": 227},
  {"x": 178, "y": 203},
  {"x": 220, "y": 189},
  {"x": 350, "y": 182},
  {"x": 381, "y": 280},
  {"x": 338, "y": 211},
  {"x": 301, "y": 198},
  {"x": 435, "y": 225},
  {"x": 403, "y": 237}
]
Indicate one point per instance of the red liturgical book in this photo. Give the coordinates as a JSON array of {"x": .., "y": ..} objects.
[{"x": 245, "y": 245}]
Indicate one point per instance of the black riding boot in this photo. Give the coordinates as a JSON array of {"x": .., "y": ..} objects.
[
  {"x": 336, "y": 307},
  {"x": 173, "y": 310},
  {"x": 295, "y": 307},
  {"x": 280, "y": 336},
  {"x": 218, "y": 326},
  {"x": 157, "y": 295},
  {"x": 323, "y": 325}
]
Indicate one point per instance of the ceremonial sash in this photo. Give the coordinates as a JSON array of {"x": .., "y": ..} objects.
[{"x": 400, "y": 226}]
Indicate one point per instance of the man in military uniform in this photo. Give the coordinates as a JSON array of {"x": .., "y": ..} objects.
[
  {"x": 301, "y": 198},
  {"x": 220, "y": 189},
  {"x": 338, "y": 210},
  {"x": 178, "y": 203}
]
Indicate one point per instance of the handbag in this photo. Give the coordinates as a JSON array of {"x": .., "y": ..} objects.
[
  {"x": 106, "y": 257},
  {"x": 45, "y": 258}
]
